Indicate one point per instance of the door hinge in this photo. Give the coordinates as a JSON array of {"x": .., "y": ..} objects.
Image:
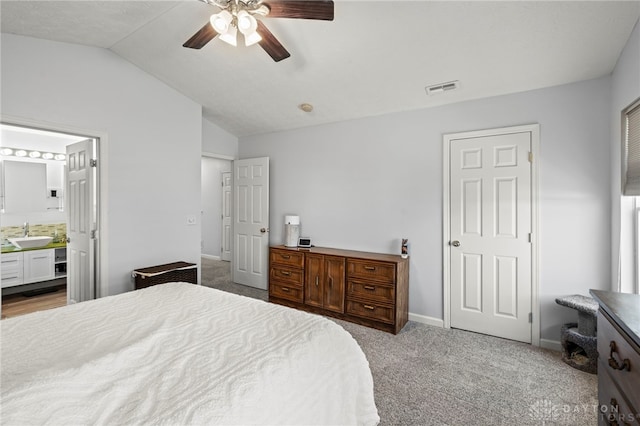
[
  {"x": 93, "y": 163},
  {"x": 530, "y": 317},
  {"x": 222, "y": 184},
  {"x": 529, "y": 237},
  {"x": 530, "y": 157},
  {"x": 93, "y": 234}
]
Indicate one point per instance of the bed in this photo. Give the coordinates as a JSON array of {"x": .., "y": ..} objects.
[{"x": 178, "y": 354}]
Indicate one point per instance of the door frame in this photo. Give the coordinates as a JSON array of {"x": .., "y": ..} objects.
[
  {"x": 101, "y": 259},
  {"x": 534, "y": 129}
]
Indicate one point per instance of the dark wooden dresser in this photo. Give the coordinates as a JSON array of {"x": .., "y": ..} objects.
[
  {"x": 618, "y": 357},
  {"x": 370, "y": 289}
]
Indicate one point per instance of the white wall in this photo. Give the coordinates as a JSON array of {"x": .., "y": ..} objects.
[
  {"x": 364, "y": 184},
  {"x": 150, "y": 158},
  {"x": 216, "y": 140},
  {"x": 625, "y": 88},
  {"x": 212, "y": 169}
]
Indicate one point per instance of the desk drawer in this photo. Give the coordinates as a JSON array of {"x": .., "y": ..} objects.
[{"x": 620, "y": 359}]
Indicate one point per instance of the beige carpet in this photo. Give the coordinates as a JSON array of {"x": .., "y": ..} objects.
[{"x": 432, "y": 376}]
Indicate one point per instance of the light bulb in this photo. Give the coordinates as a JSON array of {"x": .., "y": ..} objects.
[
  {"x": 252, "y": 38},
  {"x": 60, "y": 157},
  {"x": 244, "y": 21},
  {"x": 35, "y": 154},
  {"x": 6, "y": 151},
  {"x": 47, "y": 156},
  {"x": 21, "y": 153},
  {"x": 230, "y": 36},
  {"x": 221, "y": 21}
]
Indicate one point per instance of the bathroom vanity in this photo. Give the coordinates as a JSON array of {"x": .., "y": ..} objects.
[{"x": 33, "y": 265}]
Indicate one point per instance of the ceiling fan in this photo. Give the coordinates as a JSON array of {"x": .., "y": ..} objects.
[{"x": 240, "y": 15}]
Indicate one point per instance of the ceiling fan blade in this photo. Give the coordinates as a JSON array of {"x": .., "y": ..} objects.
[
  {"x": 270, "y": 44},
  {"x": 202, "y": 37},
  {"x": 301, "y": 9}
]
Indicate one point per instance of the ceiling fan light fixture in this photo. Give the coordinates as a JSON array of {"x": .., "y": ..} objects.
[
  {"x": 221, "y": 22},
  {"x": 230, "y": 36},
  {"x": 246, "y": 22},
  {"x": 251, "y": 39}
]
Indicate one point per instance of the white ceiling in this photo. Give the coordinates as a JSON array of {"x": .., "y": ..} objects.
[{"x": 376, "y": 57}]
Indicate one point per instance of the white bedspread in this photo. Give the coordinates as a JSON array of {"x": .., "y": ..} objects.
[{"x": 182, "y": 354}]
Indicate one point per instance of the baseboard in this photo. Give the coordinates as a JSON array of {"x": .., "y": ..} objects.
[
  {"x": 210, "y": 256},
  {"x": 423, "y": 319},
  {"x": 554, "y": 345}
]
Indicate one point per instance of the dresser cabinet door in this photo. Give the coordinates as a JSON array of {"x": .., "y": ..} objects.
[
  {"x": 324, "y": 282},
  {"x": 334, "y": 283},
  {"x": 314, "y": 279}
]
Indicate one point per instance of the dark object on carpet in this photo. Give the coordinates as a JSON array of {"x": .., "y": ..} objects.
[{"x": 579, "y": 342}]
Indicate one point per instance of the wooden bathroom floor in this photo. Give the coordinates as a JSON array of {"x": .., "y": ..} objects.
[{"x": 16, "y": 304}]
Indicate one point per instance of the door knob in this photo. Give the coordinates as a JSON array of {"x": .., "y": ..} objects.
[
  {"x": 456, "y": 243},
  {"x": 263, "y": 230},
  {"x": 68, "y": 239}
]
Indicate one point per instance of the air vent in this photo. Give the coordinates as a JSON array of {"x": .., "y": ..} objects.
[{"x": 441, "y": 87}]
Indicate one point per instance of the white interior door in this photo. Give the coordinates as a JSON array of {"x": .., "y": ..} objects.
[
  {"x": 251, "y": 222},
  {"x": 227, "y": 202},
  {"x": 80, "y": 197},
  {"x": 490, "y": 229}
]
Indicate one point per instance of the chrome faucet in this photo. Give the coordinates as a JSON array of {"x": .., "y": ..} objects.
[{"x": 25, "y": 229}]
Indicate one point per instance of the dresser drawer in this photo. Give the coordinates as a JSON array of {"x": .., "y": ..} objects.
[
  {"x": 371, "y": 310},
  {"x": 365, "y": 289},
  {"x": 285, "y": 291},
  {"x": 620, "y": 360},
  {"x": 378, "y": 271},
  {"x": 288, "y": 275},
  {"x": 286, "y": 257},
  {"x": 614, "y": 408}
]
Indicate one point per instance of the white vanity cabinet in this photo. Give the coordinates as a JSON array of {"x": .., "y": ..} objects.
[
  {"x": 31, "y": 266},
  {"x": 38, "y": 265},
  {"x": 12, "y": 269}
]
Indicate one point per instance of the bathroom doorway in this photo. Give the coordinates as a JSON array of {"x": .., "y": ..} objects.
[
  {"x": 37, "y": 278},
  {"x": 216, "y": 204}
]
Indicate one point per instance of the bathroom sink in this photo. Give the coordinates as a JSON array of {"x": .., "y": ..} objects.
[{"x": 30, "y": 242}]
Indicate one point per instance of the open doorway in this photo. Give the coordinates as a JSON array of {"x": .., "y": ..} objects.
[
  {"x": 35, "y": 205},
  {"x": 216, "y": 208}
]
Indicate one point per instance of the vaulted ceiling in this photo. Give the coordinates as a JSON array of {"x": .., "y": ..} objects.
[{"x": 376, "y": 57}]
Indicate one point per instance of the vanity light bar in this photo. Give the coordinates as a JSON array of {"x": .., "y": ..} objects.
[{"x": 17, "y": 152}]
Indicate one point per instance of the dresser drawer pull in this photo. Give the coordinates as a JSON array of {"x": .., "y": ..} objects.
[
  {"x": 10, "y": 261},
  {"x": 370, "y": 268},
  {"x": 10, "y": 278},
  {"x": 285, "y": 289},
  {"x": 40, "y": 257},
  {"x": 317, "y": 280},
  {"x": 369, "y": 287},
  {"x": 285, "y": 273},
  {"x": 285, "y": 256},
  {"x": 369, "y": 307},
  {"x": 613, "y": 363}
]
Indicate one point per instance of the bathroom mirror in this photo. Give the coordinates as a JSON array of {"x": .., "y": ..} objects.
[{"x": 24, "y": 187}]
